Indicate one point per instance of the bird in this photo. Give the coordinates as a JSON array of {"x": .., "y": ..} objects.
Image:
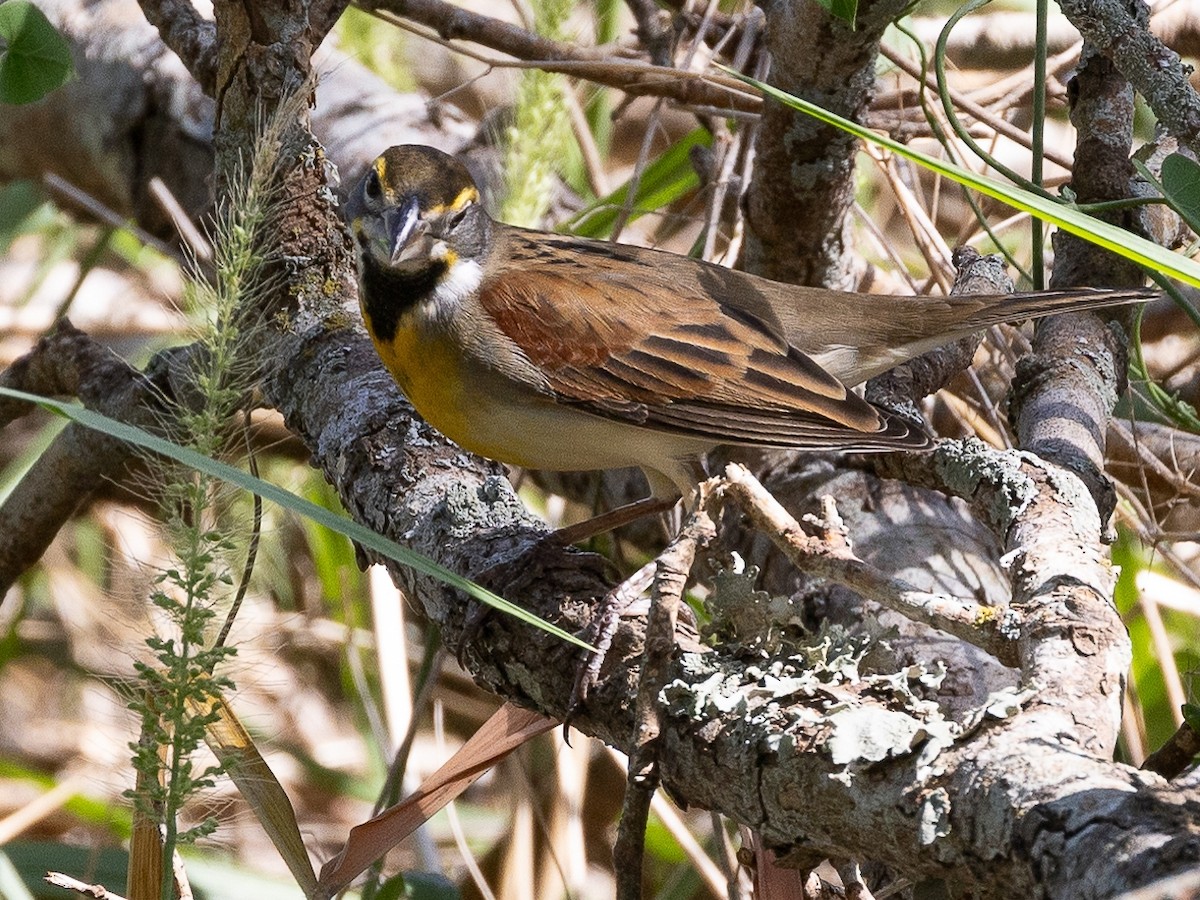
[{"x": 555, "y": 352}]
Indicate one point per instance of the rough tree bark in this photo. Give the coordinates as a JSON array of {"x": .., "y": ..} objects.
[
  {"x": 1007, "y": 791},
  {"x": 803, "y": 165}
]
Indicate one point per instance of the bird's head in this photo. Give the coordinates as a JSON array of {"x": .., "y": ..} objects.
[{"x": 415, "y": 209}]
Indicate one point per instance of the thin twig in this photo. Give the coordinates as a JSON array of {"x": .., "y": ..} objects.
[
  {"x": 714, "y": 876},
  {"x": 195, "y": 240},
  {"x": 593, "y": 159},
  {"x": 925, "y": 233},
  {"x": 183, "y": 887},
  {"x": 28, "y": 815},
  {"x": 105, "y": 214},
  {"x": 98, "y": 891},
  {"x": 653, "y": 120},
  {"x": 634, "y": 76},
  {"x": 673, "y": 566},
  {"x": 1164, "y": 650},
  {"x": 726, "y": 858},
  {"x": 969, "y": 106},
  {"x": 1137, "y": 445},
  {"x": 478, "y": 879}
]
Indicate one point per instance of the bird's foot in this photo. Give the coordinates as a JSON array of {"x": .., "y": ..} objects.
[
  {"x": 517, "y": 566},
  {"x": 600, "y": 633}
]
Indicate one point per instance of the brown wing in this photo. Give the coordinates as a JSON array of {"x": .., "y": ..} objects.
[
  {"x": 851, "y": 336},
  {"x": 616, "y": 335}
]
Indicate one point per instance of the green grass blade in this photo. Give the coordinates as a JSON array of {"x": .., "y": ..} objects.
[
  {"x": 288, "y": 500},
  {"x": 1118, "y": 240}
]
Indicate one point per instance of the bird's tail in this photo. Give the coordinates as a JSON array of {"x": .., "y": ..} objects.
[
  {"x": 909, "y": 329},
  {"x": 1035, "y": 304}
]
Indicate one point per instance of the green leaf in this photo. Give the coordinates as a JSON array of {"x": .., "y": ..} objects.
[
  {"x": 23, "y": 208},
  {"x": 1191, "y": 715},
  {"x": 846, "y": 10},
  {"x": 1181, "y": 187},
  {"x": 351, "y": 529},
  {"x": 418, "y": 886},
  {"x": 34, "y": 57},
  {"x": 1110, "y": 237},
  {"x": 664, "y": 181}
]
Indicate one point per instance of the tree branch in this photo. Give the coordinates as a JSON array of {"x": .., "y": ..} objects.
[
  {"x": 1121, "y": 32},
  {"x": 79, "y": 461},
  {"x": 192, "y": 37},
  {"x": 345, "y": 405},
  {"x": 904, "y": 386},
  {"x": 1065, "y": 390},
  {"x": 630, "y": 74}
]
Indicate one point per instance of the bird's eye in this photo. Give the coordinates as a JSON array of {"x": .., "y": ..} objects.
[
  {"x": 456, "y": 217},
  {"x": 372, "y": 188}
]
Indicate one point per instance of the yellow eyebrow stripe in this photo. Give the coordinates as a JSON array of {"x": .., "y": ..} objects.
[{"x": 465, "y": 196}]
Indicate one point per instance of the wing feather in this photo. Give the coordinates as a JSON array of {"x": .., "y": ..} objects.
[{"x": 693, "y": 366}]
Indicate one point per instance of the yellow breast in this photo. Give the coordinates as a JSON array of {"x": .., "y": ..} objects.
[
  {"x": 481, "y": 409},
  {"x": 473, "y": 407},
  {"x": 431, "y": 372}
]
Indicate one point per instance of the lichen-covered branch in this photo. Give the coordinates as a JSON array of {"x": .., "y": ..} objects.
[
  {"x": 1121, "y": 32},
  {"x": 993, "y": 630}
]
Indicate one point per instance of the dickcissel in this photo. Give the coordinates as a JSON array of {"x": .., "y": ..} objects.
[{"x": 553, "y": 352}]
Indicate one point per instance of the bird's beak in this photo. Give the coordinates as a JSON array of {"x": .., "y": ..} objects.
[{"x": 408, "y": 233}]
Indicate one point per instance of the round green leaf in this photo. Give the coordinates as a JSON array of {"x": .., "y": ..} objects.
[
  {"x": 34, "y": 58},
  {"x": 1181, "y": 184}
]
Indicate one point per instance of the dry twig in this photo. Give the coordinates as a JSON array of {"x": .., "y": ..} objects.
[
  {"x": 829, "y": 556},
  {"x": 672, "y": 569},
  {"x": 98, "y": 891}
]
